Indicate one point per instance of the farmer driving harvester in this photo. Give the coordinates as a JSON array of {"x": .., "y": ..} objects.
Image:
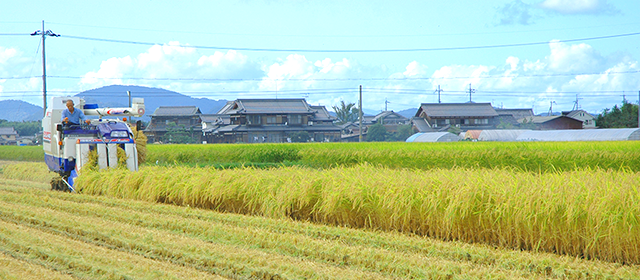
[{"x": 72, "y": 116}]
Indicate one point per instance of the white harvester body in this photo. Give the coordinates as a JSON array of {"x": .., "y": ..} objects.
[{"x": 67, "y": 147}]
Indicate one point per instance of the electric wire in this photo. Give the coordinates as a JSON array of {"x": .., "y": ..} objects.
[{"x": 356, "y": 50}]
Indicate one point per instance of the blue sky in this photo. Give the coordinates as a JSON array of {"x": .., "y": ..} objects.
[{"x": 399, "y": 51}]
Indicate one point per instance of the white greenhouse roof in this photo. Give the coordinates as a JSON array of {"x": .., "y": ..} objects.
[
  {"x": 609, "y": 134},
  {"x": 501, "y": 134},
  {"x": 433, "y": 137}
]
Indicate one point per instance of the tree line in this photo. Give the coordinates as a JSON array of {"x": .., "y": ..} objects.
[{"x": 23, "y": 128}]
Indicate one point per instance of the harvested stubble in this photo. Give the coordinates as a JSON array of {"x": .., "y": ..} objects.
[
  {"x": 584, "y": 213},
  {"x": 36, "y": 172}
]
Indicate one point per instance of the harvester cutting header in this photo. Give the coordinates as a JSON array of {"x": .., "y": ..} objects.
[{"x": 69, "y": 137}]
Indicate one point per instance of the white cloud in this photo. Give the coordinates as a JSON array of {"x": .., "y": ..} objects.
[
  {"x": 573, "y": 58},
  {"x": 6, "y": 54},
  {"x": 515, "y": 12},
  {"x": 415, "y": 69},
  {"x": 578, "y": 6},
  {"x": 566, "y": 71},
  {"x": 111, "y": 72},
  {"x": 173, "y": 61}
]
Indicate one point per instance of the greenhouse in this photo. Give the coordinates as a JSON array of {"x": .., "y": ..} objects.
[
  {"x": 494, "y": 134},
  {"x": 609, "y": 134},
  {"x": 433, "y": 137}
]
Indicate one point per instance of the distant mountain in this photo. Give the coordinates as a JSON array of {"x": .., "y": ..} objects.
[
  {"x": 17, "y": 111},
  {"x": 408, "y": 113},
  {"x": 116, "y": 96}
]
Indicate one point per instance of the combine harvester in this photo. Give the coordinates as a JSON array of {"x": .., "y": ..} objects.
[{"x": 67, "y": 147}]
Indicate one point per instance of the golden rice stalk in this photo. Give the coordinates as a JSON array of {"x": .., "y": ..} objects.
[{"x": 141, "y": 144}]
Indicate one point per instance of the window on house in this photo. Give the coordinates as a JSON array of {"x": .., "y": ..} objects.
[
  {"x": 272, "y": 120},
  {"x": 295, "y": 119},
  {"x": 254, "y": 120}
]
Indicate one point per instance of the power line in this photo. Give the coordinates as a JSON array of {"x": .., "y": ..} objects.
[
  {"x": 460, "y": 93},
  {"x": 357, "y": 50},
  {"x": 336, "y": 36},
  {"x": 344, "y": 79}
]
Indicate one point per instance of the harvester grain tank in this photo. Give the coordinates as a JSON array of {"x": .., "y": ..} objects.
[{"x": 67, "y": 148}]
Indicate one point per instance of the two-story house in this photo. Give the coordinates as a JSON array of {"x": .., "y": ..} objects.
[
  {"x": 462, "y": 115},
  {"x": 274, "y": 121},
  {"x": 8, "y": 136},
  {"x": 588, "y": 120},
  {"x": 186, "y": 118},
  {"x": 391, "y": 120}
]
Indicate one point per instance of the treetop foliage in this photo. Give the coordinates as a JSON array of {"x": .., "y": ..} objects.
[{"x": 619, "y": 117}]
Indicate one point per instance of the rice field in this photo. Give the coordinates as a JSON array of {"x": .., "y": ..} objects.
[
  {"x": 527, "y": 156},
  {"x": 585, "y": 213},
  {"x": 567, "y": 200},
  {"x": 21, "y": 153},
  {"x": 54, "y": 235}
]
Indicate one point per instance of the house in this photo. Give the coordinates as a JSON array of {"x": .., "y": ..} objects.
[
  {"x": 462, "y": 115},
  {"x": 391, "y": 120},
  {"x": 551, "y": 122},
  {"x": 210, "y": 123},
  {"x": 8, "y": 136},
  {"x": 510, "y": 117},
  {"x": 350, "y": 132},
  {"x": 274, "y": 121},
  {"x": 588, "y": 120},
  {"x": 174, "y": 117},
  {"x": 25, "y": 140}
]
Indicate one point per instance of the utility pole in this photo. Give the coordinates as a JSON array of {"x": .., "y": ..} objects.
[
  {"x": 44, "y": 34},
  {"x": 470, "y": 92},
  {"x": 385, "y": 104},
  {"x": 360, "y": 115},
  {"x": 439, "y": 91},
  {"x": 576, "y": 106},
  {"x": 551, "y": 107},
  {"x": 129, "y": 94}
]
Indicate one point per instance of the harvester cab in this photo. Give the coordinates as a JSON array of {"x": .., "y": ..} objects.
[{"x": 69, "y": 148}]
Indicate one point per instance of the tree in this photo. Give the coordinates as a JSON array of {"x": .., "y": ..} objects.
[
  {"x": 23, "y": 128},
  {"x": 346, "y": 112},
  {"x": 504, "y": 125},
  {"x": 377, "y": 132},
  {"x": 177, "y": 134},
  {"x": 619, "y": 117},
  {"x": 404, "y": 132},
  {"x": 528, "y": 124}
]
